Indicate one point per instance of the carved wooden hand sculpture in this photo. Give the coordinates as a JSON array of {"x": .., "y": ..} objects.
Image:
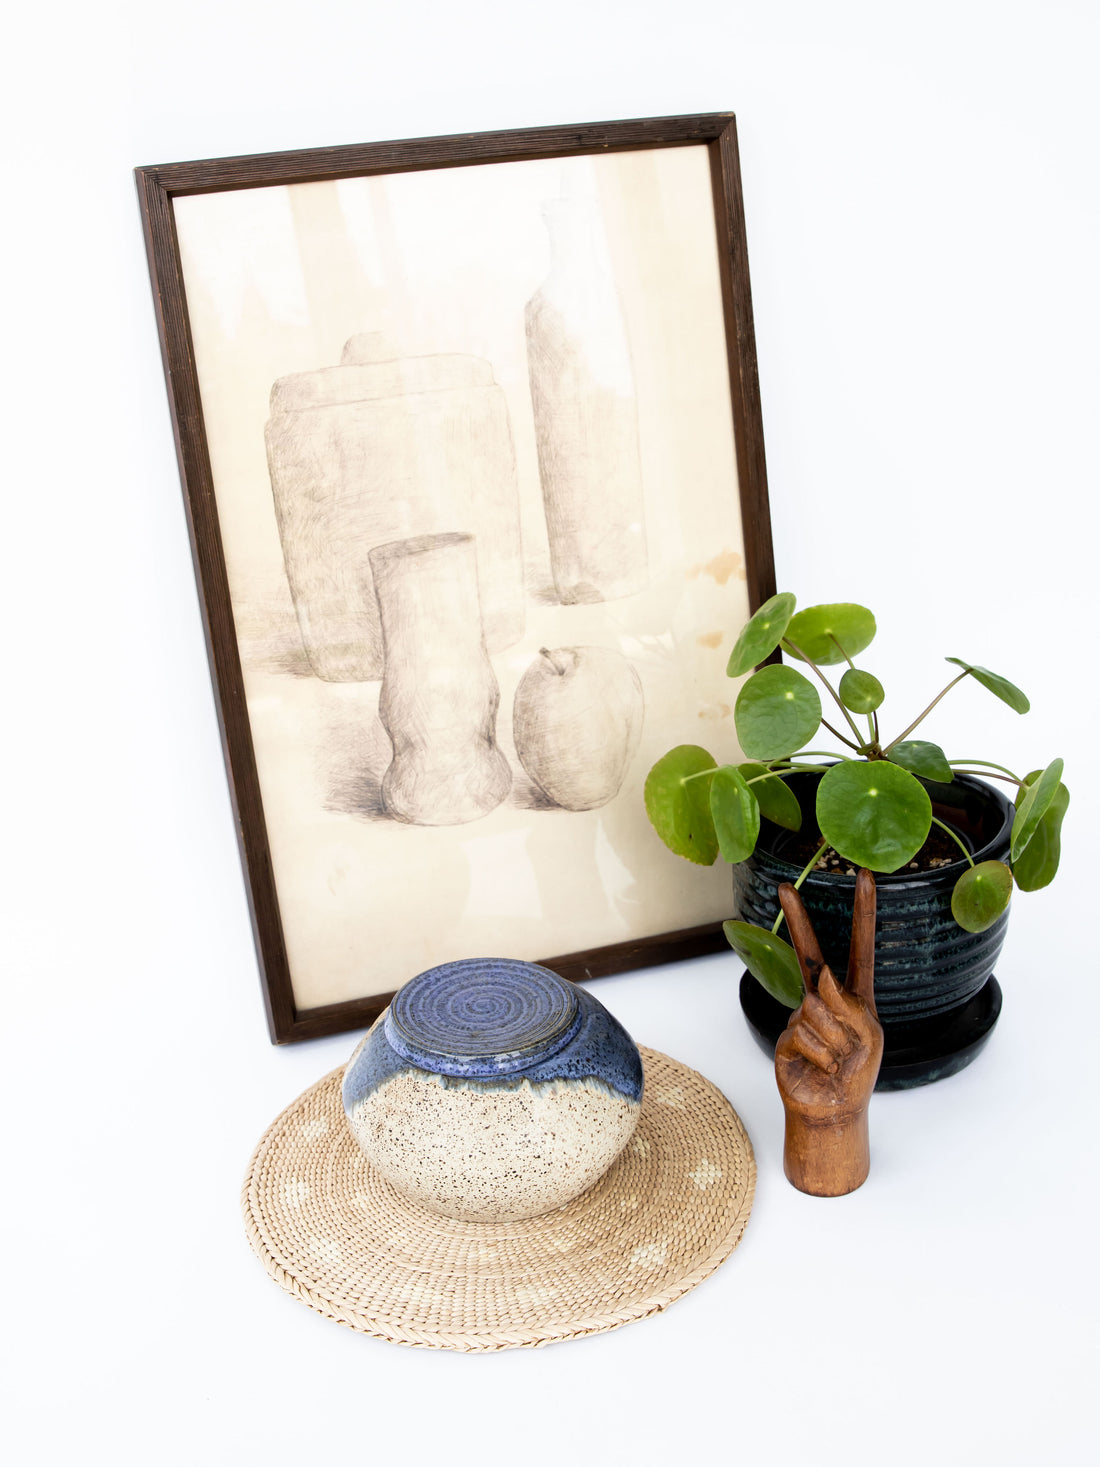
[{"x": 827, "y": 1059}]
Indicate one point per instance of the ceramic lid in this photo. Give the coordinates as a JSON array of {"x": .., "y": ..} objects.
[
  {"x": 371, "y": 369},
  {"x": 482, "y": 1016}
]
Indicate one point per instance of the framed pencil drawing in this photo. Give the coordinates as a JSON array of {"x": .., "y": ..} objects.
[{"x": 470, "y": 439}]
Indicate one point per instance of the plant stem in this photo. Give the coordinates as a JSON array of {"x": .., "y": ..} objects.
[
  {"x": 922, "y": 716},
  {"x": 872, "y": 728},
  {"x": 954, "y": 837},
  {"x": 786, "y": 642},
  {"x": 786, "y": 768},
  {"x": 776, "y": 767},
  {"x": 833, "y": 638},
  {"x": 985, "y": 774},
  {"x": 986, "y": 764},
  {"x": 822, "y": 847},
  {"x": 797, "y": 764},
  {"x": 815, "y": 754},
  {"x": 781, "y": 765},
  {"x": 838, "y": 735}
]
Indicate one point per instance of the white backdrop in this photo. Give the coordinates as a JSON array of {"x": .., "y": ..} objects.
[{"x": 920, "y": 189}]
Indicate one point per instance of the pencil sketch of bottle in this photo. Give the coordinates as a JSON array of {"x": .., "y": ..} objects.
[
  {"x": 576, "y": 721},
  {"x": 586, "y": 413},
  {"x": 439, "y": 694},
  {"x": 384, "y": 448}
]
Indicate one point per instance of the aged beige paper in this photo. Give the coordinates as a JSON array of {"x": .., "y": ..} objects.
[{"x": 490, "y": 371}]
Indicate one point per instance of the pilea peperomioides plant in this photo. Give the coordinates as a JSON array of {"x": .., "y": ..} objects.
[{"x": 872, "y": 808}]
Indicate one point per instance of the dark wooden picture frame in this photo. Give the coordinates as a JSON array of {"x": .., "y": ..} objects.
[{"x": 160, "y": 187}]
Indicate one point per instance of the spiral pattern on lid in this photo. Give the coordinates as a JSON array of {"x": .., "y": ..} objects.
[{"x": 482, "y": 1016}]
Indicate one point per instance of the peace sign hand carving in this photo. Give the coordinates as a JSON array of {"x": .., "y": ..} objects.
[{"x": 827, "y": 1059}]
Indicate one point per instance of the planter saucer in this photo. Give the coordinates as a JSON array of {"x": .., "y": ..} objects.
[{"x": 915, "y": 1054}]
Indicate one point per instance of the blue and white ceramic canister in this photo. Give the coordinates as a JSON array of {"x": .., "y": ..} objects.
[{"x": 493, "y": 1090}]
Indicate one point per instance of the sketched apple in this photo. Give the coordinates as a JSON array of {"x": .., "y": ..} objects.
[{"x": 576, "y": 719}]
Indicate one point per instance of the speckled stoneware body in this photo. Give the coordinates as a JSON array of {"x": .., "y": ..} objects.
[{"x": 493, "y": 1090}]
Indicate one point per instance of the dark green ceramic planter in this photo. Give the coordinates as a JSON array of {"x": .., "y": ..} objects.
[{"x": 936, "y": 996}]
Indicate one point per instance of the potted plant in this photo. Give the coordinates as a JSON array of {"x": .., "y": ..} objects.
[{"x": 947, "y": 847}]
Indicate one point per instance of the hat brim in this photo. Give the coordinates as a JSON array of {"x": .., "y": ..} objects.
[{"x": 332, "y": 1232}]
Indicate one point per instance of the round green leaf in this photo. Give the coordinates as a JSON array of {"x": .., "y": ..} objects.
[
  {"x": 816, "y": 631},
  {"x": 735, "y": 813},
  {"x": 679, "y": 806},
  {"x": 873, "y": 814},
  {"x": 775, "y": 798},
  {"x": 777, "y": 711},
  {"x": 770, "y": 960},
  {"x": 1007, "y": 692},
  {"x": 1038, "y": 863},
  {"x": 860, "y": 691},
  {"x": 760, "y": 635},
  {"x": 921, "y": 757},
  {"x": 981, "y": 894},
  {"x": 1034, "y": 806}
]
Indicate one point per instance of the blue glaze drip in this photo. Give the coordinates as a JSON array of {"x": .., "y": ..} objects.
[{"x": 600, "y": 1049}]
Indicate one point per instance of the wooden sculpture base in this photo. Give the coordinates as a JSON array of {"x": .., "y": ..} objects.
[{"x": 826, "y": 1160}]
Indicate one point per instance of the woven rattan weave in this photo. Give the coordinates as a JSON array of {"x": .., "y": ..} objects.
[{"x": 334, "y": 1234}]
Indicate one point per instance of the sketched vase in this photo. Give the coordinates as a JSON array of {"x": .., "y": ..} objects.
[
  {"x": 383, "y": 448},
  {"x": 586, "y": 414},
  {"x": 439, "y": 695}
]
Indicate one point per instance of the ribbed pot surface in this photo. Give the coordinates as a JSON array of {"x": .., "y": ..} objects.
[{"x": 925, "y": 964}]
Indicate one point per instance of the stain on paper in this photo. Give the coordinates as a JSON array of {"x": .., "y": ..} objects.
[{"x": 728, "y": 565}]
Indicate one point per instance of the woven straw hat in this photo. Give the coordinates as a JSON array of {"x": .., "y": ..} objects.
[{"x": 336, "y": 1235}]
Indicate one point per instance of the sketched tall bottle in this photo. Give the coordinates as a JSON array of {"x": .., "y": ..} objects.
[
  {"x": 439, "y": 695},
  {"x": 586, "y": 413}
]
